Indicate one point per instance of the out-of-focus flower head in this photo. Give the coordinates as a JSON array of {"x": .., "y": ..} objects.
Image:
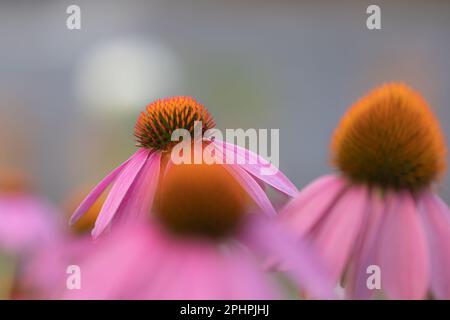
[
  {"x": 27, "y": 225},
  {"x": 381, "y": 208},
  {"x": 199, "y": 241},
  {"x": 26, "y": 220}
]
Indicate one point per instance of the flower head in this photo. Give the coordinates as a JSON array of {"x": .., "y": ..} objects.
[
  {"x": 185, "y": 207},
  {"x": 201, "y": 217},
  {"x": 390, "y": 139},
  {"x": 202, "y": 243},
  {"x": 27, "y": 222},
  {"x": 162, "y": 117},
  {"x": 137, "y": 181},
  {"x": 381, "y": 210}
]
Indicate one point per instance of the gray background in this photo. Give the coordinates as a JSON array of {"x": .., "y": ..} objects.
[{"x": 291, "y": 65}]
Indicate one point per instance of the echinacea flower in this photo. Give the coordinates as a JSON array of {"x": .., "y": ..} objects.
[
  {"x": 200, "y": 241},
  {"x": 135, "y": 182},
  {"x": 27, "y": 224},
  {"x": 26, "y": 221},
  {"x": 381, "y": 208}
]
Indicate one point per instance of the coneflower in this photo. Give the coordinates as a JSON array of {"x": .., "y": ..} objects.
[
  {"x": 27, "y": 221},
  {"x": 135, "y": 182},
  {"x": 202, "y": 241},
  {"x": 381, "y": 208}
]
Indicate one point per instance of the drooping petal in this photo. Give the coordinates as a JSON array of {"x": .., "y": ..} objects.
[
  {"x": 436, "y": 217},
  {"x": 272, "y": 241},
  {"x": 402, "y": 250},
  {"x": 140, "y": 198},
  {"x": 98, "y": 190},
  {"x": 119, "y": 190},
  {"x": 335, "y": 236},
  {"x": 258, "y": 167},
  {"x": 365, "y": 251},
  {"x": 302, "y": 212},
  {"x": 252, "y": 188}
]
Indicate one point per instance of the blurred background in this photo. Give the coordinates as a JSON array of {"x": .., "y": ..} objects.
[{"x": 69, "y": 98}]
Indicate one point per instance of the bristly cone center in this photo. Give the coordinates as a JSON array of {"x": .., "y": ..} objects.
[
  {"x": 162, "y": 117},
  {"x": 390, "y": 139}
]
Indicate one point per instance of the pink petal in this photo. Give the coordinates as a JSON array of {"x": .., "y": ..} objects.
[
  {"x": 436, "y": 217},
  {"x": 245, "y": 280},
  {"x": 257, "y": 165},
  {"x": 402, "y": 250},
  {"x": 365, "y": 254},
  {"x": 159, "y": 266},
  {"x": 252, "y": 188},
  {"x": 27, "y": 223},
  {"x": 111, "y": 269},
  {"x": 98, "y": 190},
  {"x": 119, "y": 190},
  {"x": 336, "y": 234},
  {"x": 312, "y": 203},
  {"x": 273, "y": 242},
  {"x": 140, "y": 198}
]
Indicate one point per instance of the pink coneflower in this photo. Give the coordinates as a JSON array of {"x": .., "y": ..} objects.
[
  {"x": 26, "y": 221},
  {"x": 381, "y": 209},
  {"x": 200, "y": 242},
  {"x": 135, "y": 182},
  {"x": 27, "y": 224}
]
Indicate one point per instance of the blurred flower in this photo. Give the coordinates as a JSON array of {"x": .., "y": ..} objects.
[
  {"x": 44, "y": 276},
  {"x": 27, "y": 224},
  {"x": 381, "y": 209},
  {"x": 26, "y": 221},
  {"x": 135, "y": 182},
  {"x": 201, "y": 242}
]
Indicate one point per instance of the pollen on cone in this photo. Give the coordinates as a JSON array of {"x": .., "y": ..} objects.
[{"x": 162, "y": 117}]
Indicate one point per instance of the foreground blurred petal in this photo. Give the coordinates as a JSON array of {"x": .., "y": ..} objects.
[{"x": 272, "y": 241}]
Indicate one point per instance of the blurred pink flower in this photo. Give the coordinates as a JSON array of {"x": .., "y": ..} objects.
[
  {"x": 144, "y": 261},
  {"x": 44, "y": 275},
  {"x": 135, "y": 182},
  {"x": 381, "y": 210},
  {"x": 200, "y": 240},
  {"x": 26, "y": 223}
]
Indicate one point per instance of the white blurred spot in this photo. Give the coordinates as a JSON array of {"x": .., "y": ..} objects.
[{"x": 123, "y": 76}]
